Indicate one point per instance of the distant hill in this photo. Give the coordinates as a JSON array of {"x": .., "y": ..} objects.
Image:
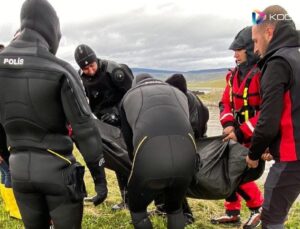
[{"x": 195, "y": 75}]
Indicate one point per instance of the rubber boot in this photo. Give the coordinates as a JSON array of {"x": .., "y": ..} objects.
[
  {"x": 13, "y": 207},
  {"x": 176, "y": 220},
  {"x": 141, "y": 220}
]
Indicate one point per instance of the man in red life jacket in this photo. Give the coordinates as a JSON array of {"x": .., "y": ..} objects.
[{"x": 238, "y": 115}]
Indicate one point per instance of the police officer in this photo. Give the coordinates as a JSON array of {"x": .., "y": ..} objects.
[
  {"x": 156, "y": 129},
  {"x": 42, "y": 94},
  {"x": 105, "y": 82}
]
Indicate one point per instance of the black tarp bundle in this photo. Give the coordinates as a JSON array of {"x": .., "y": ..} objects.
[
  {"x": 222, "y": 168},
  {"x": 114, "y": 149},
  {"x": 222, "y": 165}
]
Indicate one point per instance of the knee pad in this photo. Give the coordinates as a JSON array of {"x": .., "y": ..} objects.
[
  {"x": 141, "y": 220},
  {"x": 176, "y": 220}
]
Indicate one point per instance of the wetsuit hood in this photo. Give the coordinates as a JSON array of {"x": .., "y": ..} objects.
[{"x": 40, "y": 16}]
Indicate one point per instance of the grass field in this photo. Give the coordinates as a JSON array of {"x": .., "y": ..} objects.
[{"x": 103, "y": 217}]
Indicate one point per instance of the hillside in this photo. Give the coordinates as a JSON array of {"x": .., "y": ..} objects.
[{"x": 196, "y": 75}]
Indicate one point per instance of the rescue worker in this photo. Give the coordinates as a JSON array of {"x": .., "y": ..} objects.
[
  {"x": 105, "y": 82},
  {"x": 199, "y": 113},
  {"x": 156, "y": 129},
  {"x": 239, "y": 111},
  {"x": 199, "y": 116},
  {"x": 42, "y": 94},
  {"x": 276, "y": 41}
]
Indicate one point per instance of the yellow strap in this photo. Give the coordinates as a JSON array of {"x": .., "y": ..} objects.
[
  {"x": 136, "y": 151},
  {"x": 140, "y": 144},
  {"x": 230, "y": 91},
  {"x": 193, "y": 140},
  {"x": 60, "y": 156},
  {"x": 245, "y": 95}
]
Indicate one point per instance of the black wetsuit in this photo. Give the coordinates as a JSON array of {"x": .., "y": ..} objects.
[
  {"x": 157, "y": 131},
  {"x": 105, "y": 91},
  {"x": 41, "y": 95},
  {"x": 199, "y": 115}
]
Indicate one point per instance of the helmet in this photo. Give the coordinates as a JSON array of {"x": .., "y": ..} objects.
[{"x": 243, "y": 40}]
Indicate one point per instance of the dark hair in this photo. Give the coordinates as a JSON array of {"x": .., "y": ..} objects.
[{"x": 178, "y": 81}]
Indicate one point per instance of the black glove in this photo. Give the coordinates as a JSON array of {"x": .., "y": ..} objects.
[
  {"x": 99, "y": 177},
  {"x": 111, "y": 118}
]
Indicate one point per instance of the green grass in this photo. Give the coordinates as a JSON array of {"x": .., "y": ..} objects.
[
  {"x": 102, "y": 216},
  {"x": 218, "y": 83}
]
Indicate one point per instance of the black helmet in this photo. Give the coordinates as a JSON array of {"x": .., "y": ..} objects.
[
  {"x": 243, "y": 40},
  {"x": 84, "y": 55}
]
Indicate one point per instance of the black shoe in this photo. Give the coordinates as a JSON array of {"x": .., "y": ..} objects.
[
  {"x": 189, "y": 218},
  {"x": 227, "y": 219},
  {"x": 120, "y": 206},
  {"x": 253, "y": 220}
]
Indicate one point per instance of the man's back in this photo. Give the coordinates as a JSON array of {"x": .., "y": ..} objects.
[{"x": 31, "y": 77}]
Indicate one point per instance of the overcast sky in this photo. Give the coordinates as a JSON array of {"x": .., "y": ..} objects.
[{"x": 161, "y": 34}]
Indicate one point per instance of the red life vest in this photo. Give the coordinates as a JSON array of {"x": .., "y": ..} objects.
[{"x": 244, "y": 96}]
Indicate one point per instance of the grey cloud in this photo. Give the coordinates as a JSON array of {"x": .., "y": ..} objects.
[{"x": 165, "y": 41}]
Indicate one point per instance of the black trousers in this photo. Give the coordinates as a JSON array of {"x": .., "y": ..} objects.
[
  {"x": 41, "y": 192},
  {"x": 164, "y": 165},
  {"x": 282, "y": 188}
]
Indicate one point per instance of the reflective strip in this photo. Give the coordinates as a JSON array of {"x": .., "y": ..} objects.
[
  {"x": 245, "y": 95},
  {"x": 225, "y": 115},
  {"x": 193, "y": 140},
  {"x": 60, "y": 156},
  {"x": 250, "y": 126},
  {"x": 137, "y": 149},
  {"x": 230, "y": 90}
]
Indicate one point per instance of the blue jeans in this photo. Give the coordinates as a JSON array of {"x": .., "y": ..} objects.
[{"x": 5, "y": 174}]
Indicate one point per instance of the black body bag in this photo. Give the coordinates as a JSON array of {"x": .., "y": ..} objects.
[
  {"x": 221, "y": 169},
  {"x": 114, "y": 149}
]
